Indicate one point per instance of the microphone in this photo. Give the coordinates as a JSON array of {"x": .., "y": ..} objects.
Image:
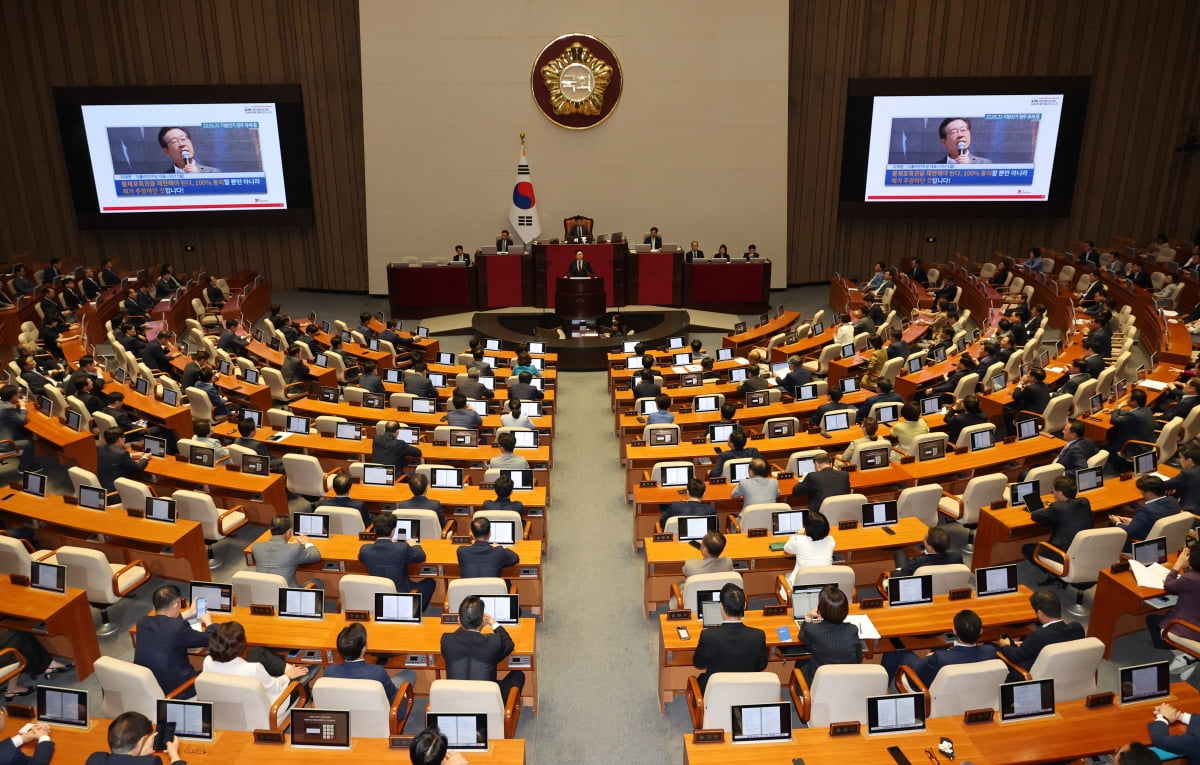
[
  {"x": 962, "y": 148},
  {"x": 187, "y": 155}
]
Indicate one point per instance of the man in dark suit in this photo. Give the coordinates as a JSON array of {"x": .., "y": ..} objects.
[
  {"x": 1136, "y": 424},
  {"x": 341, "y": 498},
  {"x": 1155, "y": 505},
  {"x": 898, "y": 348},
  {"x": 246, "y": 440},
  {"x": 481, "y": 557},
  {"x": 579, "y": 266},
  {"x": 966, "y": 413},
  {"x": 386, "y": 449},
  {"x": 732, "y": 646},
  {"x": 796, "y": 377},
  {"x": 282, "y": 553},
  {"x": 1186, "y": 484},
  {"x": 833, "y": 405},
  {"x": 1185, "y": 743},
  {"x": 653, "y": 239},
  {"x": 737, "y": 451},
  {"x": 646, "y": 387},
  {"x": 1079, "y": 375},
  {"x": 886, "y": 395},
  {"x": 113, "y": 462},
  {"x": 470, "y": 387},
  {"x": 693, "y": 505},
  {"x": 935, "y": 551},
  {"x": 1051, "y": 629},
  {"x": 524, "y": 389},
  {"x": 471, "y": 655},
  {"x": 1067, "y": 515},
  {"x": 157, "y": 354},
  {"x": 352, "y": 646},
  {"x": 916, "y": 272},
  {"x": 1182, "y": 406},
  {"x": 131, "y": 739},
  {"x": 370, "y": 381},
  {"x": 1074, "y": 456},
  {"x": 579, "y": 232},
  {"x": 1139, "y": 276},
  {"x": 460, "y": 256},
  {"x": 416, "y": 381},
  {"x": 1099, "y": 339},
  {"x": 418, "y": 484},
  {"x": 164, "y": 638},
  {"x": 504, "y": 242},
  {"x": 695, "y": 253},
  {"x": 503, "y": 486},
  {"x": 753, "y": 382},
  {"x": 11, "y": 754},
  {"x": 966, "y": 365},
  {"x": 1090, "y": 255},
  {"x": 966, "y": 649},
  {"x": 108, "y": 275},
  {"x": 390, "y": 560},
  {"x": 231, "y": 342},
  {"x": 826, "y": 481}
]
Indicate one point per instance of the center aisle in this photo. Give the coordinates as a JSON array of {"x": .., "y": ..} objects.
[{"x": 596, "y": 652}]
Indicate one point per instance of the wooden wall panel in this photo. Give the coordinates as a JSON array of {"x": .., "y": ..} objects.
[
  {"x": 138, "y": 42},
  {"x": 1145, "y": 87}
]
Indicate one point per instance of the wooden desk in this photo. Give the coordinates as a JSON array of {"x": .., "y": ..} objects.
[
  {"x": 441, "y": 563},
  {"x": 819, "y": 748},
  {"x": 325, "y": 376},
  {"x": 310, "y": 407},
  {"x": 694, "y": 425},
  {"x": 73, "y": 745},
  {"x": 761, "y": 334},
  {"x": 63, "y": 623},
  {"x": 79, "y": 447},
  {"x": 997, "y": 613},
  {"x": 984, "y": 460},
  {"x": 805, "y": 345},
  {"x": 460, "y": 504},
  {"x": 759, "y": 565},
  {"x": 258, "y": 396},
  {"x": 171, "y": 550},
  {"x": 262, "y": 496}
]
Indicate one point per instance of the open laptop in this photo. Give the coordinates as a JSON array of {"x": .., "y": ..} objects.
[
  {"x": 1150, "y": 551},
  {"x": 1026, "y": 700},
  {"x": 910, "y": 590},
  {"x": 398, "y": 607},
  {"x": 301, "y": 604},
  {"x": 880, "y": 514},
  {"x": 895, "y": 713},
  {"x": 996, "y": 580},
  {"x": 320, "y": 729},
  {"x": 757, "y": 723},
  {"x": 1145, "y": 682}
]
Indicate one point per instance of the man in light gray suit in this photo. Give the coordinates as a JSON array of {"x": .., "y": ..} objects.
[
  {"x": 955, "y": 135},
  {"x": 711, "y": 562},
  {"x": 283, "y": 553}
]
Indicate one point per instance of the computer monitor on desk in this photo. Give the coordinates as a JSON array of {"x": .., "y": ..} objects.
[
  {"x": 760, "y": 723},
  {"x": 694, "y": 527},
  {"x": 1026, "y": 700},
  {"x": 896, "y": 713},
  {"x": 996, "y": 580},
  {"x": 910, "y": 590}
]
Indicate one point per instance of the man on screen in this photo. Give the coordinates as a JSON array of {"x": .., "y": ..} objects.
[
  {"x": 579, "y": 266},
  {"x": 955, "y": 135},
  {"x": 176, "y": 143}
]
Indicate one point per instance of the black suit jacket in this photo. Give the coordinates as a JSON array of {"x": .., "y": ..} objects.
[
  {"x": 1186, "y": 744},
  {"x": 1187, "y": 488},
  {"x": 1074, "y": 456},
  {"x": 830, "y": 644},
  {"x": 928, "y": 667},
  {"x": 481, "y": 559},
  {"x": 689, "y": 256},
  {"x": 424, "y": 503},
  {"x": 685, "y": 507},
  {"x": 820, "y": 484},
  {"x": 932, "y": 559},
  {"x": 1047, "y": 634},
  {"x": 156, "y": 358},
  {"x": 502, "y": 245},
  {"x": 389, "y": 559},
  {"x": 1068, "y": 519},
  {"x": 1131, "y": 425},
  {"x": 386, "y": 449},
  {"x": 350, "y": 504},
  {"x": 730, "y": 647},
  {"x": 162, "y": 647},
  {"x": 578, "y": 268},
  {"x": 11, "y": 755},
  {"x": 474, "y": 655},
  {"x": 113, "y": 462}
]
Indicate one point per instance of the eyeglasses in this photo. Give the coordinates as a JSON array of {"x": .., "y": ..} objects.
[{"x": 932, "y": 755}]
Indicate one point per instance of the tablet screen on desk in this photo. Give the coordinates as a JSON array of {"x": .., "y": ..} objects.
[
  {"x": 505, "y": 609},
  {"x": 874, "y": 458},
  {"x": 522, "y": 479},
  {"x": 254, "y": 464},
  {"x": 468, "y": 438},
  {"x": 835, "y": 421},
  {"x": 930, "y": 405},
  {"x": 913, "y": 366},
  {"x": 758, "y": 398},
  {"x": 676, "y": 475},
  {"x": 719, "y": 433},
  {"x": 254, "y": 415},
  {"x": 996, "y": 580},
  {"x": 1027, "y": 428},
  {"x": 1090, "y": 478},
  {"x": 47, "y": 576},
  {"x": 705, "y": 404},
  {"x": 250, "y": 376},
  {"x": 462, "y": 732},
  {"x": 784, "y": 522},
  {"x": 1025, "y": 700},
  {"x": 446, "y": 478},
  {"x": 1017, "y": 492},
  {"x": 374, "y": 400},
  {"x": 849, "y": 385},
  {"x": 408, "y": 435},
  {"x": 298, "y": 424},
  {"x": 897, "y": 713},
  {"x": 724, "y": 354},
  {"x": 424, "y": 405},
  {"x": 160, "y": 509},
  {"x": 983, "y": 439},
  {"x": 805, "y": 598},
  {"x": 504, "y": 532},
  {"x": 33, "y": 483},
  {"x": 192, "y": 719},
  {"x": 761, "y": 722},
  {"x": 321, "y": 360},
  {"x": 142, "y": 386},
  {"x": 313, "y": 525},
  {"x": 738, "y": 471},
  {"x": 299, "y": 603},
  {"x": 879, "y": 514},
  {"x": 218, "y": 596},
  {"x": 887, "y": 413},
  {"x": 531, "y": 409},
  {"x": 931, "y": 450},
  {"x": 75, "y": 419},
  {"x": 1150, "y": 551},
  {"x": 155, "y": 446},
  {"x": 910, "y": 590},
  {"x": 1145, "y": 463},
  {"x": 398, "y": 607},
  {"x": 807, "y": 392},
  {"x": 683, "y": 359},
  {"x": 348, "y": 431},
  {"x": 1144, "y": 682},
  {"x": 320, "y": 729},
  {"x": 203, "y": 456},
  {"x": 329, "y": 394},
  {"x": 784, "y": 428},
  {"x": 92, "y": 497},
  {"x": 437, "y": 379},
  {"x": 62, "y": 706},
  {"x": 407, "y": 529},
  {"x": 378, "y": 475},
  {"x": 695, "y": 526}
]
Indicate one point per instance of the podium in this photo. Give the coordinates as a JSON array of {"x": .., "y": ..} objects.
[{"x": 579, "y": 298}]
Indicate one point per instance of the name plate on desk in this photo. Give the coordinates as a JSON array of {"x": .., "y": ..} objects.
[
  {"x": 1119, "y": 567},
  {"x": 232, "y": 467},
  {"x": 638, "y": 442},
  {"x": 527, "y": 572},
  {"x": 439, "y": 443},
  {"x": 844, "y": 729},
  {"x": 960, "y": 593},
  {"x": 268, "y": 737},
  {"x": 1009, "y": 440},
  {"x": 257, "y": 609},
  {"x": 847, "y": 525},
  {"x": 135, "y": 512},
  {"x": 755, "y": 533},
  {"x": 717, "y": 481},
  {"x": 679, "y": 615},
  {"x": 353, "y": 615},
  {"x": 487, "y": 486},
  {"x": 20, "y": 580},
  {"x": 664, "y": 537},
  {"x": 70, "y": 500},
  {"x": 1100, "y": 700},
  {"x": 758, "y": 436},
  {"x": 850, "y": 468},
  {"x": 865, "y": 603},
  {"x": 449, "y": 618},
  {"x": 366, "y": 536},
  {"x": 708, "y": 736},
  {"x": 786, "y": 475},
  {"x": 907, "y": 460},
  {"x": 456, "y": 540},
  {"x": 779, "y": 609},
  {"x": 700, "y": 440},
  {"x": 647, "y": 484},
  {"x": 400, "y": 742},
  {"x": 999, "y": 504},
  {"x": 979, "y": 716}
]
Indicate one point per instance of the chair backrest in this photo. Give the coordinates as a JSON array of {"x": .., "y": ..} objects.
[
  {"x": 980, "y": 492},
  {"x": 840, "y": 691},
  {"x": 304, "y": 474},
  {"x": 966, "y": 386},
  {"x": 470, "y": 696},
  {"x": 1056, "y": 413},
  {"x": 795, "y": 457},
  {"x": 428, "y": 520},
  {"x": 649, "y": 429},
  {"x": 964, "y": 438},
  {"x": 358, "y": 592},
  {"x": 727, "y": 468},
  {"x": 890, "y": 369},
  {"x": 846, "y": 507},
  {"x": 920, "y": 502},
  {"x": 365, "y": 699},
  {"x": 1092, "y": 550},
  {"x": 698, "y": 582},
  {"x": 503, "y": 515},
  {"x": 253, "y": 587},
  {"x": 199, "y": 403},
  {"x": 842, "y": 576},
  {"x": 828, "y": 353},
  {"x": 354, "y": 395},
  {"x": 88, "y": 570},
  {"x": 1084, "y": 393},
  {"x": 959, "y": 687},
  {"x": 946, "y": 577},
  {"x": 80, "y": 477},
  {"x": 342, "y": 520},
  {"x": 239, "y": 703},
  {"x": 1168, "y": 439},
  {"x": 1099, "y": 459},
  {"x": 127, "y": 687},
  {"x": 199, "y": 507},
  {"x": 1174, "y": 527},
  {"x": 274, "y": 380},
  {"x": 14, "y": 556},
  {"x": 759, "y": 516},
  {"x": 1071, "y": 665},
  {"x": 133, "y": 493},
  {"x": 480, "y": 585},
  {"x": 327, "y": 424},
  {"x": 278, "y": 417},
  {"x": 656, "y": 472},
  {"x": 1045, "y": 476},
  {"x": 726, "y": 690}
]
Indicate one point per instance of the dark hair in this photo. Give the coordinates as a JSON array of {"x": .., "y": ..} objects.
[
  {"x": 246, "y": 427},
  {"x": 695, "y": 488},
  {"x": 1047, "y": 602},
  {"x": 428, "y": 747},
  {"x": 875, "y": 341},
  {"x": 1152, "y": 484},
  {"x": 714, "y": 543},
  {"x": 947, "y": 121},
  {"x": 281, "y": 524},
  {"x": 470, "y": 612},
  {"x": 870, "y": 426},
  {"x": 112, "y": 435},
  {"x": 938, "y": 539},
  {"x": 227, "y": 641},
  {"x": 832, "y": 604},
  {"x": 663, "y": 402},
  {"x": 201, "y": 428},
  {"x": 384, "y": 524},
  {"x": 351, "y": 641},
  {"x": 8, "y": 391},
  {"x": 910, "y": 412},
  {"x": 1138, "y": 753},
  {"x": 342, "y": 483},
  {"x": 728, "y": 410},
  {"x": 526, "y": 377},
  {"x": 481, "y": 527},
  {"x": 1077, "y": 427},
  {"x": 163, "y": 132},
  {"x": 165, "y": 597},
  {"x": 971, "y": 403},
  {"x": 127, "y": 730},
  {"x": 968, "y": 626},
  {"x": 737, "y": 439},
  {"x": 504, "y": 486},
  {"x": 733, "y": 600},
  {"x": 506, "y": 441},
  {"x": 459, "y": 400},
  {"x": 816, "y": 525},
  {"x": 1066, "y": 486}
]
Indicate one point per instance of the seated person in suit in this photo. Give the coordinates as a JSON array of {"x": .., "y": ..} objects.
[
  {"x": 1185, "y": 743},
  {"x": 294, "y": 369},
  {"x": 202, "y": 434},
  {"x": 505, "y": 242},
  {"x": 646, "y": 387},
  {"x": 364, "y": 326},
  {"x": 579, "y": 231},
  {"x": 416, "y": 381},
  {"x": 722, "y": 252},
  {"x": 524, "y": 389},
  {"x": 371, "y": 381},
  {"x": 461, "y": 415},
  {"x": 1067, "y": 515},
  {"x": 282, "y": 553},
  {"x": 870, "y": 438},
  {"x": 513, "y": 418},
  {"x": 694, "y": 253},
  {"x": 886, "y": 395},
  {"x": 1135, "y": 424},
  {"x": 204, "y": 382},
  {"x": 693, "y": 505},
  {"x": 481, "y": 557},
  {"x": 1155, "y": 505},
  {"x": 737, "y": 451},
  {"x": 1186, "y": 484},
  {"x": 418, "y": 484},
  {"x": 352, "y": 646},
  {"x": 834, "y": 404},
  {"x": 966, "y": 649},
  {"x": 157, "y": 355},
  {"x": 758, "y": 487},
  {"x": 711, "y": 561},
  {"x": 1074, "y": 456},
  {"x": 113, "y": 462},
  {"x": 751, "y": 252},
  {"x": 1184, "y": 581},
  {"x": 390, "y": 559},
  {"x": 471, "y": 655},
  {"x": 460, "y": 256},
  {"x": 730, "y": 646},
  {"x": 752, "y": 382},
  {"x": 1051, "y": 629},
  {"x": 662, "y": 415},
  {"x": 653, "y": 239},
  {"x": 965, "y": 413},
  {"x": 828, "y": 635},
  {"x": 503, "y": 501},
  {"x": 166, "y": 637},
  {"x": 472, "y": 387},
  {"x": 506, "y": 459},
  {"x": 131, "y": 741},
  {"x": 824, "y": 482},
  {"x": 387, "y": 449},
  {"x": 796, "y": 376},
  {"x": 935, "y": 551},
  {"x": 246, "y": 439},
  {"x": 342, "y": 482}
]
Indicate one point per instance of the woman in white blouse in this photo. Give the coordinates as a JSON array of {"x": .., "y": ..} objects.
[{"x": 814, "y": 547}]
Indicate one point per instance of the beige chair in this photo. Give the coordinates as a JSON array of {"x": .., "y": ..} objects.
[
  {"x": 839, "y": 693},
  {"x": 280, "y": 390},
  {"x": 964, "y": 438},
  {"x": 478, "y": 696},
  {"x": 685, "y": 597},
  {"x": 1045, "y": 475},
  {"x": 504, "y": 515},
  {"x": 957, "y": 687},
  {"x": 358, "y": 592},
  {"x": 770, "y": 424},
  {"x": 256, "y": 588},
  {"x": 16, "y": 555},
  {"x": 759, "y": 516},
  {"x": 1054, "y": 419},
  {"x": 656, "y": 472},
  {"x": 1081, "y": 401},
  {"x": 795, "y": 457},
  {"x": 342, "y": 520},
  {"x": 305, "y": 476},
  {"x": 1174, "y": 527},
  {"x": 15, "y": 666},
  {"x": 806, "y": 576},
  {"x": 216, "y": 524},
  {"x": 459, "y": 589},
  {"x": 1072, "y": 665},
  {"x": 80, "y": 477},
  {"x": 241, "y": 703},
  {"x": 845, "y": 507},
  {"x": 106, "y": 583},
  {"x": 133, "y": 493},
  {"x": 428, "y": 520},
  {"x": 1091, "y": 550},
  {"x": 354, "y": 394},
  {"x": 1099, "y": 459},
  {"x": 1166, "y": 445},
  {"x": 277, "y": 418},
  {"x": 946, "y": 577},
  {"x": 820, "y": 367},
  {"x": 966, "y": 386},
  {"x": 920, "y": 502},
  {"x": 129, "y": 687},
  {"x": 370, "y": 714},
  {"x": 727, "y": 468},
  {"x": 201, "y": 405},
  {"x": 327, "y": 424},
  {"x": 209, "y": 318},
  {"x": 980, "y": 492},
  {"x": 649, "y": 433},
  {"x": 725, "y": 690}
]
